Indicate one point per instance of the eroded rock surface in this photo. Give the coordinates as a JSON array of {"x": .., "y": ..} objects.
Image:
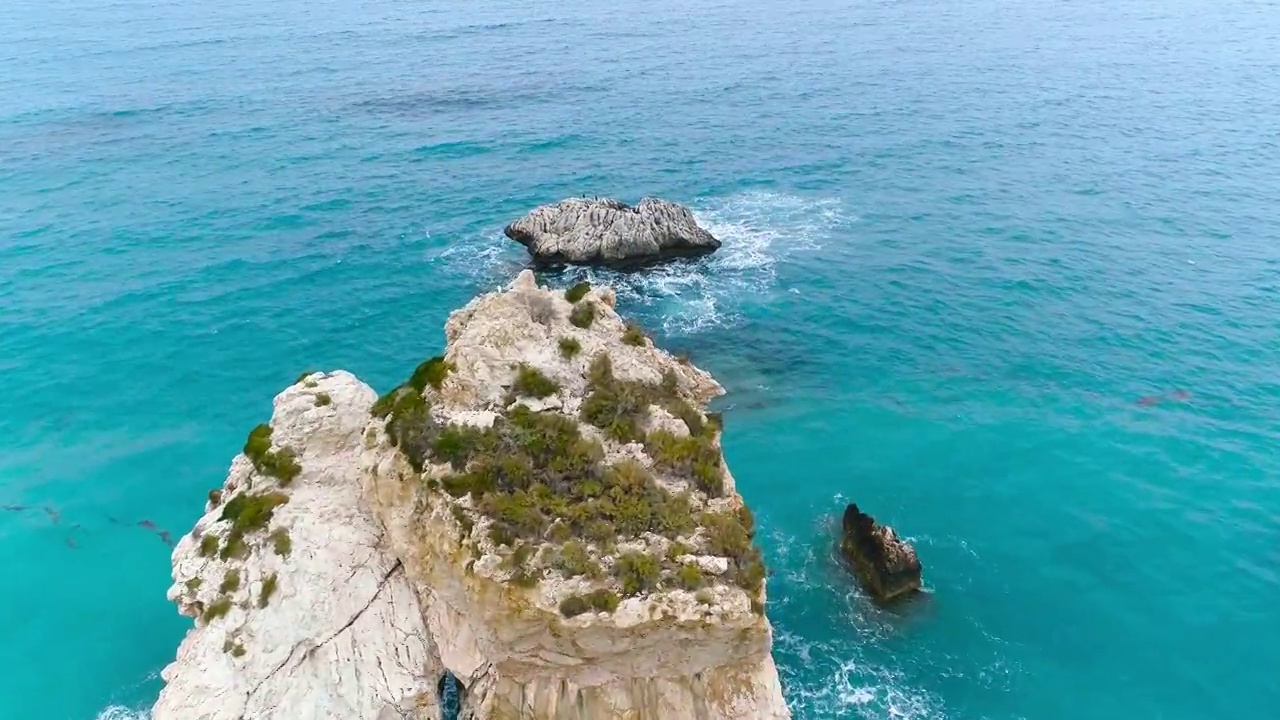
[
  {"x": 544, "y": 512},
  {"x": 886, "y": 564},
  {"x": 340, "y": 634},
  {"x": 603, "y": 231}
]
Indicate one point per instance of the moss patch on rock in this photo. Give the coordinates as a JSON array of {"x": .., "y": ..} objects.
[
  {"x": 281, "y": 464},
  {"x": 230, "y": 582},
  {"x": 247, "y": 513},
  {"x": 208, "y": 546},
  {"x": 269, "y": 584},
  {"x": 218, "y": 608},
  {"x": 569, "y": 347},
  {"x": 577, "y": 292},
  {"x": 281, "y": 543},
  {"x": 583, "y": 315}
]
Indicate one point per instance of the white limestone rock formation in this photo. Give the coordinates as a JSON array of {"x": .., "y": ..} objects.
[
  {"x": 308, "y": 617},
  {"x": 558, "y": 531},
  {"x": 603, "y": 231},
  {"x": 498, "y": 610}
]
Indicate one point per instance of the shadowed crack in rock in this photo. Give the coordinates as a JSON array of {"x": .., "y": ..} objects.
[{"x": 381, "y": 585}]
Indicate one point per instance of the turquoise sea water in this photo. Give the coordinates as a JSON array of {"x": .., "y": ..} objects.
[{"x": 961, "y": 241}]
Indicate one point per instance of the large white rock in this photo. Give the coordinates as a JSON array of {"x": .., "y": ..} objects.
[
  {"x": 603, "y": 231},
  {"x": 343, "y": 636},
  {"x": 661, "y": 656},
  {"x": 383, "y": 592}
]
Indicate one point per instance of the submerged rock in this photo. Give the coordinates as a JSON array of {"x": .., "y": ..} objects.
[
  {"x": 543, "y": 513},
  {"x": 887, "y": 565},
  {"x": 603, "y": 231}
]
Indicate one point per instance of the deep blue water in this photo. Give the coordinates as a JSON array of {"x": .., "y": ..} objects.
[{"x": 962, "y": 239}]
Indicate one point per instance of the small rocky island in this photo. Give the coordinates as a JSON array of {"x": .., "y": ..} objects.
[
  {"x": 543, "y": 512},
  {"x": 603, "y": 231},
  {"x": 886, "y": 564}
]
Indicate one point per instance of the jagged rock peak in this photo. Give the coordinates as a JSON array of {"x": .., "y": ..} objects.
[
  {"x": 886, "y": 564},
  {"x": 604, "y": 231}
]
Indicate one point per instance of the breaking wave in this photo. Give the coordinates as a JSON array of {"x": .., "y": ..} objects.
[
  {"x": 759, "y": 232},
  {"x": 118, "y": 712}
]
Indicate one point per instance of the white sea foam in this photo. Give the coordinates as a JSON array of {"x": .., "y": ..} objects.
[
  {"x": 118, "y": 712},
  {"x": 759, "y": 231},
  {"x": 833, "y": 672},
  {"x": 833, "y": 681}
]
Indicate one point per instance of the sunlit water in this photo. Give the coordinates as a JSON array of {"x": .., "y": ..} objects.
[{"x": 961, "y": 241}]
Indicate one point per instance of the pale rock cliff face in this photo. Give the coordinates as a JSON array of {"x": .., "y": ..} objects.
[
  {"x": 659, "y": 656},
  {"x": 342, "y": 636},
  {"x": 391, "y": 581},
  {"x": 590, "y": 231}
]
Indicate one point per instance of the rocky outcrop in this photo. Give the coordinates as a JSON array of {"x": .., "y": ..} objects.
[
  {"x": 603, "y": 231},
  {"x": 300, "y": 611},
  {"x": 887, "y": 565},
  {"x": 544, "y": 512}
]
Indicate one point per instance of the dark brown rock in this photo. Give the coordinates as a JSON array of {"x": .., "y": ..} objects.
[{"x": 887, "y": 566}]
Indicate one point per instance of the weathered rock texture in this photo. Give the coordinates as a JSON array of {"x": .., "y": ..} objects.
[
  {"x": 343, "y": 634},
  {"x": 397, "y": 574},
  {"x": 887, "y": 565},
  {"x": 602, "y": 231}
]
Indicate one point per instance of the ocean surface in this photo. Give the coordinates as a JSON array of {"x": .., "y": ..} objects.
[{"x": 1006, "y": 274}]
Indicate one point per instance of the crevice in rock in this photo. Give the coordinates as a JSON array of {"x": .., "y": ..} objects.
[
  {"x": 451, "y": 692},
  {"x": 381, "y": 584}
]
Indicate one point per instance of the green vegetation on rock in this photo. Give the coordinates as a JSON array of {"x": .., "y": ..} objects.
[
  {"x": 615, "y": 406},
  {"x": 730, "y": 535},
  {"x": 692, "y": 456},
  {"x": 530, "y": 382},
  {"x": 594, "y": 601},
  {"x": 638, "y": 573},
  {"x": 218, "y": 608},
  {"x": 280, "y": 542},
  {"x": 410, "y": 424},
  {"x": 634, "y": 335},
  {"x": 280, "y": 464},
  {"x": 323, "y": 399},
  {"x": 532, "y": 471},
  {"x": 577, "y": 292},
  {"x": 431, "y": 372},
  {"x": 550, "y": 502},
  {"x": 230, "y": 582},
  {"x": 248, "y": 513},
  {"x": 208, "y": 546},
  {"x": 569, "y": 347},
  {"x": 572, "y": 560},
  {"x": 268, "y": 589},
  {"x": 583, "y": 314},
  {"x": 690, "y": 577}
]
